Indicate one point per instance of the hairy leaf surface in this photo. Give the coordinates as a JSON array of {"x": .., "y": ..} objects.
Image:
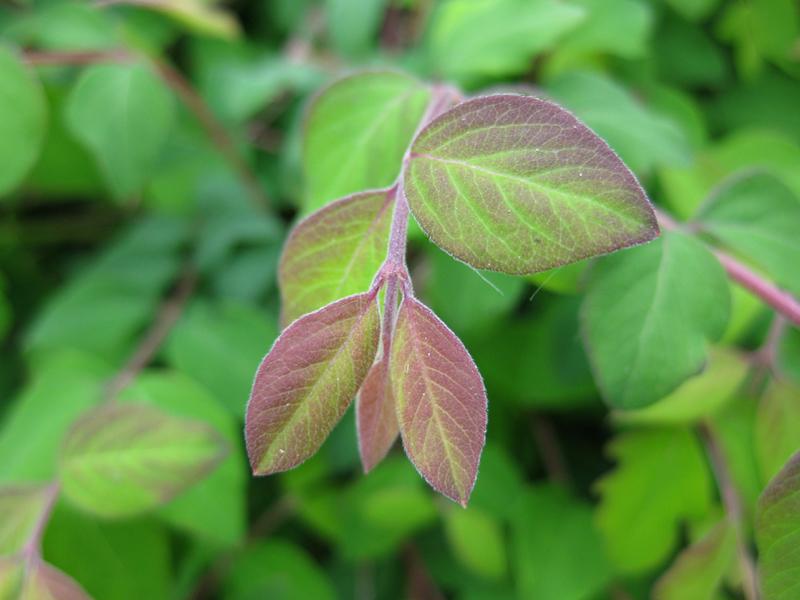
[
  {"x": 648, "y": 316},
  {"x": 778, "y": 534},
  {"x": 122, "y": 459},
  {"x": 357, "y": 132},
  {"x": 376, "y": 416},
  {"x": 20, "y": 507},
  {"x": 517, "y": 184},
  {"x": 777, "y": 427},
  {"x": 334, "y": 253},
  {"x": 440, "y": 400},
  {"x": 308, "y": 380}
]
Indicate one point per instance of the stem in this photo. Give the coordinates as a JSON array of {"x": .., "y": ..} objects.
[
  {"x": 33, "y": 547},
  {"x": 733, "y": 509},
  {"x": 79, "y": 58},
  {"x": 544, "y": 434},
  {"x": 783, "y": 302}
]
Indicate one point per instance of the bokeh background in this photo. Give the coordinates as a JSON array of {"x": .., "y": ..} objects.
[{"x": 143, "y": 214}]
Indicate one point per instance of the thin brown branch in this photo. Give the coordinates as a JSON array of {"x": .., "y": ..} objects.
[
  {"x": 165, "y": 320},
  {"x": 546, "y": 439},
  {"x": 77, "y": 58},
  {"x": 734, "y": 509}
]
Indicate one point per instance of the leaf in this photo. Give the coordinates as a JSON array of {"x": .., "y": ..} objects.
[
  {"x": 334, "y": 252},
  {"x": 648, "y": 316},
  {"x": 122, "y": 114},
  {"x": 307, "y": 381},
  {"x": 357, "y": 131},
  {"x": 11, "y": 577},
  {"x": 198, "y": 15},
  {"x": 518, "y": 185},
  {"x": 758, "y": 217},
  {"x": 376, "y": 416},
  {"x": 698, "y": 397},
  {"x": 440, "y": 400},
  {"x": 22, "y": 507},
  {"x": 476, "y": 540},
  {"x": 778, "y": 533},
  {"x": 661, "y": 479},
  {"x": 558, "y": 552},
  {"x": 354, "y": 24},
  {"x": 123, "y": 459},
  {"x": 777, "y": 427},
  {"x": 23, "y": 115},
  {"x": 45, "y": 582},
  {"x": 698, "y": 571},
  {"x": 619, "y": 27},
  {"x": 470, "y": 39}
]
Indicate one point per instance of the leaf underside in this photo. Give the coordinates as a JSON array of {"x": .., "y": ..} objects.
[
  {"x": 21, "y": 507},
  {"x": 376, "y": 416},
  {"x": 307, "y": 381},
  {"x": 517, "y": 184},
  {"x": 440, "y": 401}
]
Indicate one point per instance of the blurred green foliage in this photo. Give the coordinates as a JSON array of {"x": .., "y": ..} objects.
[{"x": 150, "y": 168}]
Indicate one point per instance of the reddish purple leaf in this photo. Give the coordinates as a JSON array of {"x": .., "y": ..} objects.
[
  {"x": 307, "y": 381},
  {"x": 440, "y": 400},
  {"x": 375, "y": 416}
]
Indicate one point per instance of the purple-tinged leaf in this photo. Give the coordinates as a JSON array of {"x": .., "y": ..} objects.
[
  {"x": 307, "y": 381},
  {"x": 34, "y": 579},
  {"x": 519, "y": 185},
  {"x": 334, "y": 252},
  {"x": 21, "y": 508},
  {"x": 440, "y": 400},
  {"x": 778, "y": 534},
  {"x": 376, "y": 417},
  {"x": 123, "y": 459}
]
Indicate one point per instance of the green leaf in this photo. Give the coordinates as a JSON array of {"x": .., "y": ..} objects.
[
  {"x": 122, "y": 114},
  {"x": 661, "y": 479},
  {"x": 778, "y": 533},
  {"x": 215, "y": 507},
  {"x": 694, "y": 10},
  {"x": 22, "y": 507},
  {"x": 122, "y": 459},
  {"x": 357, "y": 132},
  {"x": 516, "y": 184},
  {"x": 307, "y": 381},
  {"x": 440, "y": 401},
  {"x": 698, "y": 571},
  {"x": 36, "y": 580},
  {"x": 698, "y": 397},
  {"x": 477, "y": 541},
  {"x": 619, "y": 27},
  {"x": 758, "y": 217},
  {"x": 354, "y": 24},
  {"x": 277, "y": 569},
  {"x": 11, "y": 577},
  {"x": 558, "y": 552},
  {"x": 789, "y": 354},
  {"x": 471, "y": 39},
  {"x": 777, "y": 426},
  {"x": 648, "y": 316},
  {"x": 199, "y": 15},
  {"x": 334, "y": 252},
  {"x": 23, "y": 115}
]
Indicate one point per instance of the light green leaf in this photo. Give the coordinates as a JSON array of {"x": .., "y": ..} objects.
[
  {"x": 477, "y": 541},
  {"x": 778, "y": 533},
  {"x": 201, "y": 16},
  {"x": 334, "y": 252},
  {"x": 661, "y": 479},
  {"x": 648, "y": 316},
  {"x": 22, "y": 508},
  {"x": 619, "y": 27},
  {"x": 357, "y": 132},
  {"x": 354, "y": 24},
  {"x": 757, "y": 216},
  {"x": 698, "y": 571},
  {"x": 558, "y": 552},
  {"x": 23, "y": 115},
  {"x": 36, "y": 580},
  {"x": 122, "y": 459},
  {"x": 777, "y": 426},
  {"x": 698, "y": 397},
  {"x": 122, "y": 114},
  {"x": 470, "y": 39}
]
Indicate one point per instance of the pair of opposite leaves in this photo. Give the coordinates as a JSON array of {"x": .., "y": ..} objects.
[{"x": 508, "y": 183}]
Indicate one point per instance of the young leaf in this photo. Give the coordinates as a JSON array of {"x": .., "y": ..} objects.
[
  {"x": 518, "y": 185},
  {"x": 21, "y": 507},
  {"x": 777, "y": 427},
  {"x": 778, "y": 533},
  {"x": 122, "y": 114},
  {"x": 357, "y": 132},
  {"x": 122, "y": 459},
  {"x": 440, "y": 400},
  {"x": 22, "y": 120},
  {"x": 45, "y": 582},
  {"x": 376, "y": 416},
  {"x": 308, "y": 380},
  {"x": 661, "y": 479},
  {"x": 648, "y": 316},
  {"x": 334, "y": 253},
  {"x": 759, "y": 217}
]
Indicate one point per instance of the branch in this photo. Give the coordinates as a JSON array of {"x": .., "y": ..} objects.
[
  {"x": 79, "y": 58},
  {"x": 546, "y": 439},
  {"x": 783, "y": 302},
  {"x": 733, "y": 509}
]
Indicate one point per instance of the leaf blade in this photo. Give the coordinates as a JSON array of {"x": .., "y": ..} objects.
[{"x": 376, "y": 416}]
